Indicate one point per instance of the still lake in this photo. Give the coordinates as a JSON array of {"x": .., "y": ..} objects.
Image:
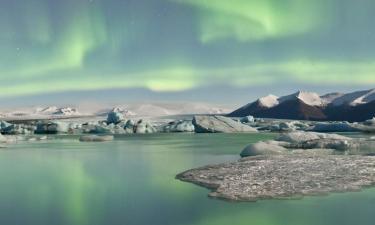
[{"x": 131, "y": 181}]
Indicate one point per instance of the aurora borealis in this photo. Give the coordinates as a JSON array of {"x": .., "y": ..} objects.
[{"x": 177, "y": 46}]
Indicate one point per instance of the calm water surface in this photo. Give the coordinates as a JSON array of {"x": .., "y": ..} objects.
[{"x": 130, "y": 181}]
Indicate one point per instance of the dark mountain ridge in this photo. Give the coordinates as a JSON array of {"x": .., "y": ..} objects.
[{"x": 306, "y": 106}]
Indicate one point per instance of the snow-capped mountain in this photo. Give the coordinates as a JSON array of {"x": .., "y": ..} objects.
[
  {"x": 302, "y": 105},
  {"x": 166, "y": 109},
  {"x": 40, "y": 113},
  {"x": 66, "y": 112},
  {"x": 53, "y": 110},
  {"x": 46, "y": 110}
]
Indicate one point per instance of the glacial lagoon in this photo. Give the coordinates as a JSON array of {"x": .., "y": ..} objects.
[{"x": 131, "y": 181}]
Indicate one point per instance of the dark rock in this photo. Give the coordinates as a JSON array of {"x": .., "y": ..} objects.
[{"x": 96, "y": 138}]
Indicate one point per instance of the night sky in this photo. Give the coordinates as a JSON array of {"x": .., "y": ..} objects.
[{"x": 196, "y": 50}]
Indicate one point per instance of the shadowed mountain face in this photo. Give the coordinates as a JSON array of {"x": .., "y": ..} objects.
[
  {"x": 253, "y": 109},
  {"x": 299, "y": 106},
  {"x": 351, "y": 113},
  {"x": 294, "y": 109}
]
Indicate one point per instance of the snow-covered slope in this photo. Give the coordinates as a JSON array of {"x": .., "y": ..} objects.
[
  {"x": 151, "y": 109},
  {"x": 309, "y": 98},
  {"x": 55, "y": 111},
  {"x": 313, "y": 99},
  {"x": 329, "y": 98},
  {"x": 46, "y": 110},
  {"x": 269, "y": 101},
  {"x": 355, "y": 98},
  {"x": 128, "y": 110},
  {"x": 40, "y": 113},
  {"x": 311, "y": 106},
  {"x": 163, "y": 109},
  {"x": 66, "y": 112},
  {"x": 199, "y": 108}
]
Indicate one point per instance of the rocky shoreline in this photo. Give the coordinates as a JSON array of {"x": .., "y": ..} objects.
[
  {"x": 294, "y": 165},
  {"x": 284, "y": 176}
]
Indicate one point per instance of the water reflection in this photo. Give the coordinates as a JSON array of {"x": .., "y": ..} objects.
[{"x": 131, "y": 181}]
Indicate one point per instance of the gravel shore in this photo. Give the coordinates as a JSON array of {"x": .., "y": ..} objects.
[{"x": 284, "y": 176}]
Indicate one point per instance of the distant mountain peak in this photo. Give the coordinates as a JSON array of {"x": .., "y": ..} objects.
[
  {"x": 355, "y": 106},
  {"x": 49, "y": 109},
  {"x": 53, "y": 110},
  {"x": 367, "y": 97},
  {"x": 66, "y": 112},
  {"x": 355, "y": 98},
  {"x": 309, "y": 98},
  {"x": 330, "y": 97}
]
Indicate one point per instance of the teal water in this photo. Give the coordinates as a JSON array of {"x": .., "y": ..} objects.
[{"x": 130, "y": 181}]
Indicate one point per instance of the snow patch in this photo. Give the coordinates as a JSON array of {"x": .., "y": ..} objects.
[
  {"x": 269, "y": 101},
  {"x": 355, "y": 98},
  {"x": 329, "y": 98},
  {"x": 310, "y": 98},
  {"x": 55, "y": 111}
]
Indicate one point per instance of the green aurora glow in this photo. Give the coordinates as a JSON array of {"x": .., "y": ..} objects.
[{"x": 174, "y": 45}]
